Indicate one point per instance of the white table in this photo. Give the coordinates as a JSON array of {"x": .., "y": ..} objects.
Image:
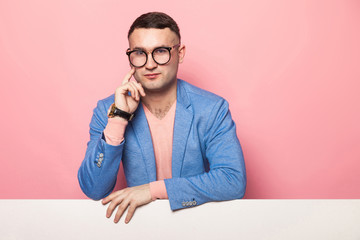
[{"x": 239, "y": 219}]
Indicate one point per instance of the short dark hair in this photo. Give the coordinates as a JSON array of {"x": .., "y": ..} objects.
[{"x": 157, "y": 20}]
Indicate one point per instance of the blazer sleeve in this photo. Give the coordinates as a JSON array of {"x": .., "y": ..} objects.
[
  {"x": 98, "y": 171},
  {"x": 226, "y": 178}
]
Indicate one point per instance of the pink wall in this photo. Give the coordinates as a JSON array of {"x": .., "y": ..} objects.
[{"x": 290, "y": 70}]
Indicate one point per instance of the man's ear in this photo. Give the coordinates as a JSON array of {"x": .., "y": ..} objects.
[{"x": 182, "y": 50}]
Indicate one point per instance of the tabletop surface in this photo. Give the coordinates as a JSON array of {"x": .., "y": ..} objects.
[{"x": 238, "y": 219}]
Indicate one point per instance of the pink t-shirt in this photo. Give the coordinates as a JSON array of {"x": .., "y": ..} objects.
[{"x": 162, "y": 137}]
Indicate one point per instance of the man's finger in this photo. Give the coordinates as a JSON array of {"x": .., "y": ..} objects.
[
  {"x": 121, "y": 209},
  {"x": 111, "y": 196},
  {"x": 132, "y": 90},
  {"x": 107, "y": 199},
  {"x": 112, "y": 206},
  {"x": 130, "y": 213},
  {"x": 129, "y": 75},
  {"x": 136, "y": 91},
  {"x": 140, "y": 88}
]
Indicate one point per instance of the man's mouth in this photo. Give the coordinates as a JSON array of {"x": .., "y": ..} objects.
[{"x": 152, "y": 75}]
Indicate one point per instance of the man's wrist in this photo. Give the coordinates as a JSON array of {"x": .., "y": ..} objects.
[
  {"x": 115, "y": 130},
  {"x": 158, "y": 190},
  {"x": 116, "y": 112}
]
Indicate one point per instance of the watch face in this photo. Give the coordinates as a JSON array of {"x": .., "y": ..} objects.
[{"x": 112, "y": 110}]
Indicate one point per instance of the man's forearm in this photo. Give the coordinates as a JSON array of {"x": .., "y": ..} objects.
[{"x": 98, "y": 171}]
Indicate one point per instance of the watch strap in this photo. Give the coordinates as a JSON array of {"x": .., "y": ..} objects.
[{"x": 114, "y": 111}]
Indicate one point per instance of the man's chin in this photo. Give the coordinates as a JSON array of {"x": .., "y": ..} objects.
[
  {"x": 152, "y": 88},
  {"x": 156, "y": 87}
]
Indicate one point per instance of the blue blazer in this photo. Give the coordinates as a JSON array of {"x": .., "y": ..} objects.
[{"x": 207, "y": 159}]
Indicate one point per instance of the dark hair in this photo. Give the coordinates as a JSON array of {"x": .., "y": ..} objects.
[{"x": 157, "y": 20}]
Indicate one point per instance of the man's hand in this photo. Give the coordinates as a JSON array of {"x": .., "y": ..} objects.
[
  {"x": 131, "y": 197},
  {"x": 122, "y": 99}
]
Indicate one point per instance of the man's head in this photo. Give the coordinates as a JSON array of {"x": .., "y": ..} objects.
[
  {"x": 147, "y": 34},
  {"x": 156, "y": 20}
]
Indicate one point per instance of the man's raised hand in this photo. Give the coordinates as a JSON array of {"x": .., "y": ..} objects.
[{"x": 123, "y": 100}]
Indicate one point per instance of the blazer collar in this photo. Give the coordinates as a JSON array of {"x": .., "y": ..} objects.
[
  {"x": 183, "y": 121},
  {"x": 143, "y": 136}
]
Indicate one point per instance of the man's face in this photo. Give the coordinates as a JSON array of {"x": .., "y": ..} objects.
[{"x": 152, "y": 76}]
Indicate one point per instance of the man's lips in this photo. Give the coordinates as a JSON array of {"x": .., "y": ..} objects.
[{"x": 152, "y": 75}]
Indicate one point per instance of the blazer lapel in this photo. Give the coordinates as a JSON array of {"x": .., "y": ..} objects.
[
  {"x": 183, "y": 120},
  {"x": 142, "y": 132}
]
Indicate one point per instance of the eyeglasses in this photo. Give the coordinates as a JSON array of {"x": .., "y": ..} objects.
[{"x": 161, "y": 55}]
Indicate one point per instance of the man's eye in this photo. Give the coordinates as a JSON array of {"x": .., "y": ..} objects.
[
  {"x": 160, "y": 50},
  {"x": 139, "y": 53}
]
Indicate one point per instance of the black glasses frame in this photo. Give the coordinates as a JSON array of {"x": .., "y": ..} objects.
[{"x": 128, "y": 52}]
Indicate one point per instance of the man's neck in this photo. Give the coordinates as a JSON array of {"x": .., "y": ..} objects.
[{"x": 159, "y": 103}]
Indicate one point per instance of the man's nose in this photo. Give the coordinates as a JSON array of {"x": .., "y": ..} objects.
[{"x": 150, "y": 64}]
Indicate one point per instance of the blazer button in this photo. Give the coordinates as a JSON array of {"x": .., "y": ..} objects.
[
  {"x": 98, "y": 164},
  {"x": 183, "y": 204},
  {"x": 101, "y": 155}
]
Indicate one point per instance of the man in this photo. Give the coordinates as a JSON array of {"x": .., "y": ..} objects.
[{"x": 181, "y": 145}]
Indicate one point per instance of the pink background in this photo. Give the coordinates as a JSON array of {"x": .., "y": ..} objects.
[{"x": 290, "y": 70}]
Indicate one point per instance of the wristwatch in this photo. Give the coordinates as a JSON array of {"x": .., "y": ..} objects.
[{"x": 114, "y": 111}]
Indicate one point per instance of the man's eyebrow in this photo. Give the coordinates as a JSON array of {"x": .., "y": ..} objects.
[
  {"x": 137, "y": 48},
  {"x": 143, "y": 49}
]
